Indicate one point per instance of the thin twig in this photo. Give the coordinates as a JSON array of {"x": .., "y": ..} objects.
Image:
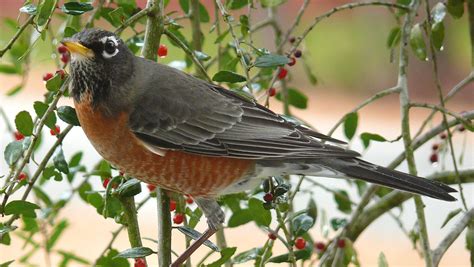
[
  {"x": 17, "y": 35},
  {"x": 452, "y": 236}
]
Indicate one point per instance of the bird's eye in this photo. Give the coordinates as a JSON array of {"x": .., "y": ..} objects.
[{"x": 109, "y": 47}]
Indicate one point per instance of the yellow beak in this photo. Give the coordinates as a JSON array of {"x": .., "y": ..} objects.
[{"x": 77, "y": 48}]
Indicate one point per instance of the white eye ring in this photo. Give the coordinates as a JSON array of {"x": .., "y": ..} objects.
[{"x": 104, "y": 40}]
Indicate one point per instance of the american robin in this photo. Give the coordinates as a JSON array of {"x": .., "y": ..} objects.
[{"x": 170, "y": 129}]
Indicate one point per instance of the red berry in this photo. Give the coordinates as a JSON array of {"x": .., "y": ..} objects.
[
  {"x": 162, "y": 50},
  {"x": 268, "y": 197},
  {"x": 300, "y": 243},
  {"x": 434, "y": 158},
  {"x": 60, "y": 72},
  {"x": 172, "y": 205},
  {"x": 461, "y": 128},
  {"x": 319, "y": 246},
  {"x": 47, "y": 76},
  {"x": 292, "y": 39},
  {"x": 272, "y": 92},
  {"x": 272, "y": 236},
  {"x": 189, "y": 200},
  {"x": 106, "y": 182},
  {"x": 282, "y": 73},
  {"x": 435, "y": 147},
  {"x": 298, "y": 53},
  {"x": 443, "y": 136},
  {"x": 22, "y": 176},
  {"x": 292, "y": 61},
  {"x": 151, "y": 187},
  {"x": 341, "y": 243},
  {"x": 65, "y": 58},
  {"x": 178, "y": 218},
  {"x": 18, "y": 136},
  {"x": 55, "y": 131},
  {"x": 62, "y": 49},
  {"x": 139, "y": 262}
]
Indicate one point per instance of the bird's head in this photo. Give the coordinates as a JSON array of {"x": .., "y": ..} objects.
[{"x": 100, "y": 61}]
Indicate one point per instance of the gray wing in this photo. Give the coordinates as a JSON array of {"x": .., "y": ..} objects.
[{"x": 179, "y": 112}]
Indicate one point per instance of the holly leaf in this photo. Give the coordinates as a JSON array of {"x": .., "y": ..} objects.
[
  {"x": 350, "y": 124},
  {"x": 417, "y": 43},
  {"x": 21, "y": 207},
  {"x": 24, "y": 123},
  {"x": 343, "y": 202},
  {"x": 301, "y": 224},
  {"x": 68, "y": 115},
  {"x": 129, "y": 188},
  {"x": 367, "y": 137},
  {"x": 40, "y": 109},
  {"x": 195, "y": 235},
  {"x": 455, "y": 8},
  {"x": 76, "y": 8},
  {"x": 13, "y": 152},
  {"x": 246, "y": 256},
  {"x": 137, "y": 252},
  {"x": 228, "y": 76},
  {"x": 295, "y": 98},
  {"x": 59, "y": 161},
  {"x": 270, "y": 61}
]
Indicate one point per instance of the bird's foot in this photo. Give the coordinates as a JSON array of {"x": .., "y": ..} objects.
[{"x": 215, "y": 218}]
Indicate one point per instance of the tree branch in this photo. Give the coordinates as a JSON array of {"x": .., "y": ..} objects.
[{"x": 17, "y": 35}]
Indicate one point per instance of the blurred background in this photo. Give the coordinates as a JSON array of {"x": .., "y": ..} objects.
[{"x": 349, "y": 56}]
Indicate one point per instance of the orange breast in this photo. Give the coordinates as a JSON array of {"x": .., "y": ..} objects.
[{"x": 177, "y": 171}]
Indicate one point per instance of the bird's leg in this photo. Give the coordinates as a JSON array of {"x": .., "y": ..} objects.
[{"x": 215, "y": 217}]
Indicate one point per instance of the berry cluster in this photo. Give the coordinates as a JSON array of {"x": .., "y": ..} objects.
[
  {"x": 282, "y": 71},
  {"x": 438, "y": 147},
  {"x": 65, "y": 57},
  {"x": 178, "y": 218}
]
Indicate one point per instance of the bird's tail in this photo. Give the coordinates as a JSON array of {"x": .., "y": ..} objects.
[{"x": 363, "y": 170}]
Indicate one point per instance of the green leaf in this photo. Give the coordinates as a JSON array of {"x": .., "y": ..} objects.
[
  {"x": 382, "y": 260},
  {"x": 45, "y": 10},
  {"x": 7, "y": 263},
  {"x": 54, "y": 83},
  {"x": 226, "y": 254},
  {"x": 393, "y": 37},
  {"x": 367, "y": 137},
  {"x": 195, "y": 235},
  {"x": 202, "y": 56},
  {"x": 57, "y": 231},
  {"x": 239, "y": 217},
  {"x": 312, "y": 210},
  {"x": 10, "y": 69},
  {"x": 299, "y": 254},
  {"x": 69, "y": 31},
  {"x": 337, "y": 223},
  {"x": 116, "y": 16},
  {"x": 41, "y": 195},
  {"x": 437, "y": 35},
  {"x": 244, "y": 25},
  {"x": 301, "y": 224},
  {"x": 21, "y": 207},
  {"x": 184, "y": 4},
  {"x": 68, "y": 115},
  {"x": 417, "y": 43},
  {"x": 221, "y": 37},
  {"x": 455, "y": 8},
  {"x": 350, "y": 124},
  {"x": 76, "y": 8},
  {"x": 246, "y": 256},
  {"x": 343, "y": 202},
  {"x": 15, "y": 90},
  {"x": 260, "y": 215},
  {"x": 236, "y": 4},
  {"x": 137, "y": 252},
  {"x": 451, "y": 215},
  {"x": 13, "y": 152},
  {"x": 296, "y": 98},
  {"x": 40, "y": 109},
  {"x": 24, "y": 123},
  {"x": 129, "y": 188},
  {"x": 271, "y": 3},
  {"x": 59, "y": 162},
  {"x": 28, "y": 9},
  {"x": 203, "y": 15},
  {"x": 228, "y": 76},
  {"x": 270, "y": 61},
  {"x": 110, "y": 260}
]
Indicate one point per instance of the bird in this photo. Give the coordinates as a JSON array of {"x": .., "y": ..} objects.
[{"x": 170, "y": 129}]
